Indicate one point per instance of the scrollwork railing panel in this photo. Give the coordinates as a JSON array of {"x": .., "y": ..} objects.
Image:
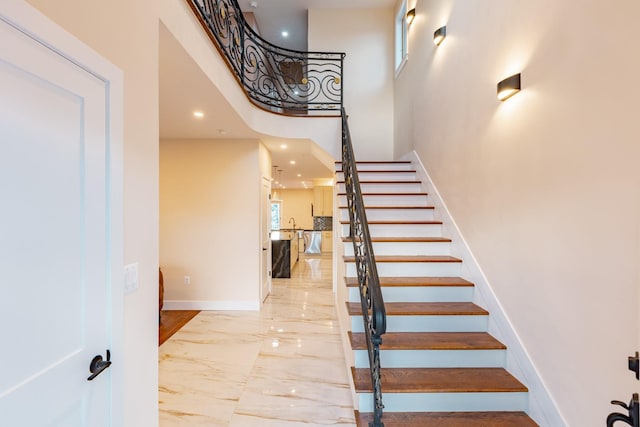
[{"x": 274, "y": 78}]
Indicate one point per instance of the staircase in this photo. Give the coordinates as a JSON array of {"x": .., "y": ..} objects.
[{"x": 440, "y": 368}]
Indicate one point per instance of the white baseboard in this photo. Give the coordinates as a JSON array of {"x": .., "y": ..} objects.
[
  {"x": 211, "y": 305},
  {"x": 542, "y": 407}
]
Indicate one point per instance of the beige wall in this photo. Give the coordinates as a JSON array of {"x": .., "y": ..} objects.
[
  {"x": 126, "y": 33},
  {"x": 544, "y": 186},
  {"x": 210, "y": 222},
  {"x": 296, "y": 204},
  {"x": 366, "y": 36}
]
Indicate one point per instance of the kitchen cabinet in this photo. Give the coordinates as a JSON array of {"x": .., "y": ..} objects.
[
  {"x": 327, "y": 197},
  {"x": 323, "y": 201},
  {"x": 294, "y": 253},
  {"x": 318, "y": 201},
  {"x": 327, "y": 241}
]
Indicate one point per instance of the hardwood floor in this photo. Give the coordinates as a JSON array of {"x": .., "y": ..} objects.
[{"x": 171, "y": 321}]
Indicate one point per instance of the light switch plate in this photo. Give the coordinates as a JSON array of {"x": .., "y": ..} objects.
[{"x": 130, "y": 278}]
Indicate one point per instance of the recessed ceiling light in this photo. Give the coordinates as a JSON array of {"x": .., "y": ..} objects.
[
  {"x": 299, "y": 175},
  {"x": 198, "y": 114},
  {"x": 285, "y": 33},
  {"x": 292, "y": 162},
  {"x": 283, "y": 146}
]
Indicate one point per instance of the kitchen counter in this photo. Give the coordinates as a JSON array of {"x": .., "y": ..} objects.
[
  {"x": 283, "y": 235},
  {"x": 284, "y": 253}
]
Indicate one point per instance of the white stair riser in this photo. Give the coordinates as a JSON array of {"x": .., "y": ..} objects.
[
  {"x": 428, "y": 323},
  {"x": 381, "y": 176},
  {"x": 393, "y": 214},
  {"x": 420, "y": 294},
  {"x": 385, "y": 187},
  {"x": 434, "y": 358},
  {"x": 390, "y": 200},
  {"x": 400, "y": 230},
  {"x": 404, "y": 248},
  {"x": 418, "y": 402},
  {"x": 447, "y": 402},
  {"x": 410, "y": 269},
  {"x": 386, "y": 166}
]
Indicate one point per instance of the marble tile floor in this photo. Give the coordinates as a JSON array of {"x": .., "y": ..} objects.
[{"x": 280, "y": 367}]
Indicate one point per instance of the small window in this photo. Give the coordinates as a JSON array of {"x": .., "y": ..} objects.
[
  {"x": 401, "y": 36},
  {"x": 276, "y": 208}
]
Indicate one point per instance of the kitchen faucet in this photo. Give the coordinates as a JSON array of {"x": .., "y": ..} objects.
[{"x": 294, "y": 222}]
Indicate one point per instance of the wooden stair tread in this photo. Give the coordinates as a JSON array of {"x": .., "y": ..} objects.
[
  {"x": 404, "y": 239},
  {"x": 401, "y": 222},
  {"x": 377, "y": 162},
  {"x": 389, "y": 171},
  {"x": 370, "y": 181},
  {"x": 414, "y": 281},
  {"x": 424, "y": 309},
  {"x": 390, "y": 194},
  {"x": 448, "y": 419},
  {"x": 394, "y": 207},
  {"x": 439, "y": 380},
  {"x": 430, "y": 341},
  {"x": 409, "y": 258},
  {"x": 423, "y": 380}
]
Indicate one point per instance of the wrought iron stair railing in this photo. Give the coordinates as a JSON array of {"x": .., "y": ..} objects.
[
  {"x": 373, "y": 310},
  {"x": 276, "y": 79}
]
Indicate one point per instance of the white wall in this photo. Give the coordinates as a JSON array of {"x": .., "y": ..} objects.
[
  {"x": 366, "y": 36},
  {"x": 210, "y": 223},
  {"x": 126, "y": 33},
  {"x": 544, "y": 187}
]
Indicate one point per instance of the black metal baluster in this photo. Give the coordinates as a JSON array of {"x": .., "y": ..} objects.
[
  {"x": 372, "y": 303},
  {"x": 633, "y": 408}
]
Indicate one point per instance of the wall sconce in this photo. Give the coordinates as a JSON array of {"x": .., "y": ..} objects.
[
  {"x": 411, "y": 15},
  {"x": 509, "y": 87},
  {"x": 439, "y": 35}
]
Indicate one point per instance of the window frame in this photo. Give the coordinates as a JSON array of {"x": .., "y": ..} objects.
[
  {"x": 279, "y": 216},
  {"x": 401, "y": 31}
]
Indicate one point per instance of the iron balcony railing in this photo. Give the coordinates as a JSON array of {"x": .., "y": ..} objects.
[
  {"x": 373, "y": 311},
  {"x": 276, "y": 79}
]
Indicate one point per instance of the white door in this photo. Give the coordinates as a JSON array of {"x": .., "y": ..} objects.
[
  {"x": 265, "y": 231},
  {"x": 55, "y": 265}
]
